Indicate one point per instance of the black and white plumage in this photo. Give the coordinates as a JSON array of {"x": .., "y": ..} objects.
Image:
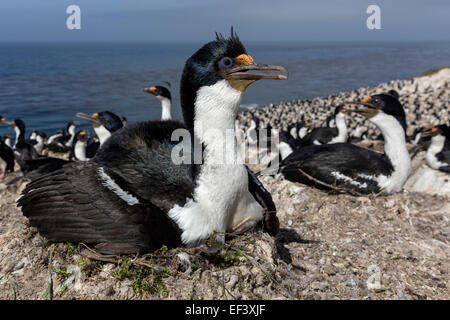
[
  {"x": 353, "y": 168},
  {"x": 62, "y": 142},
  {"x": 438, "y": 153},
  {"x": 163, "y": 95},
  {"x": 55, "y": 137},
  {"x": 325, "y": 135},
  {"x": 132, "y": 197},
  {"x": 299, "y": 130},
  {"x": 6, "y": 155},
  {"x": 23, "y": 149},
  {"x": 104, "y": 123},
  {"x": 6, "y": 159},
  {"x": 80, "y": 146},
  {"x": 252, "y": 133},
  {"x": 43, "y": 165},
  {"x": 38, "y": 141},
  {"x": 358, "y": 134},
  {"x": 7, "y": 140}
]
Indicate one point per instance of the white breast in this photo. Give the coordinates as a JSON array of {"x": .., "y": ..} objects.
[
  {"x": 436, "y": 146},
  {"x": 80, "y": 151},
  {"x": 221, "y": 198},
  {"x": 102, "y": 133}
]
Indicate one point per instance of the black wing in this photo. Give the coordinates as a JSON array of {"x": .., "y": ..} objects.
[
  {"x": 72, "y": 204},
  {"x": 122, "y": 213},
  {"x": 91, "y": 149},
  {"x": 444, "y": 157},
  {"x": 24, "y": 151},
  {"x": 141, "y": 154},
  {"x": 58, "y": 148},
  {"x": 322, "y": 135},
  {"x": 334, "y": 163}
]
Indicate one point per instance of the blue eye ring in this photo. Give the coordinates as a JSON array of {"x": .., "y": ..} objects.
[
  {"x": 376, "y": 101},
  {"x": 226, "y": 63}
]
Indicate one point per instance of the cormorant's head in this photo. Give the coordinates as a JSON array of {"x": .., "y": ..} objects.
[
  {"x": 20, "y": 125},
  {"x": 440, "y": 130},
  {"x": 222, "y": 70},
  {"x": 107, "y": 119},
  {"x": 302, "y": 124},
  {"x": 41, "y": 134},
  {"x": 159, "y": 92},
  {"x": 385, "y": 103},
  {"x": 394, "y": 94},
  {"x": 339, "y": 109},
  {"x": 82, "y": 136}
]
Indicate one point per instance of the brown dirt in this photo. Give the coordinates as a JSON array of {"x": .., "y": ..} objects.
[{"x": 329, "y": 247}]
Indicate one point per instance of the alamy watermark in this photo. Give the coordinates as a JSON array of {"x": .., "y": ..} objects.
[
  {"x": 73, "y": 21},
  {"x": 374, "y": 20},
  {"x": 226, "y": 147}
]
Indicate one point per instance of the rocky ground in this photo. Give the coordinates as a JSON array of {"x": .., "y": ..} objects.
[
  {"x": 426, "y": 100},
  {"x": 331, "y": 246}
]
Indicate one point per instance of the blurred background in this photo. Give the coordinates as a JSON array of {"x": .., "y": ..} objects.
[{"x": 48, "y": 73}]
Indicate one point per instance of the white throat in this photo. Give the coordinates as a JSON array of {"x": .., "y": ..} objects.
[
  {"x": 71, "y": 131},
  {"x": 396, "y": 150},
  {"x": 102, "y": 133},
  {"x": 39, "y": 145},
  {"x": 166, "y": 105},
  {"x": 293, "y": 132},
  {"x": 285, "y": 150},
  {"x": 80, "y": 150},
  {"x": 436, "y": 146},
  {"x": 417, "y": 138},
  {"x": 342, "y": 129},
  {"x": 8, "y": 142},
  {"x": 221, "y": 198},
  {"x": 17, "y": 131},
  {"x": 302, "y": 132}
]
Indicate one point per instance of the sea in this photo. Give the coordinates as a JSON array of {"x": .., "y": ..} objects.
[{"x": 46, "y": 84}]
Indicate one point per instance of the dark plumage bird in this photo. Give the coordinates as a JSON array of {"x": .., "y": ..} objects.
[
  {"x": 134, "y": 197},
  {"x": 252, "y": 133},
  {"x": 6, "y": 156},
  {"x": 299, "y": 130},
  {"x": 80, "y": 146},
  {"x": 438, "y": 153},
  {"x": 44, "y": 165},
  {"x": 23, "y": 149},
  {"x": 62, "y": 142},
  {"x": 104, "y": 123},
  {"x": 7, "y": 140},
  {"x": 352, "y": 168},
  {"x": 93, "y": 144},
  {"x": 325, "y": 135},
  {"x": 163, "y": 95}
]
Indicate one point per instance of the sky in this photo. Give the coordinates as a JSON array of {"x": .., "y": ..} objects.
[{"x": 197, "y": 20}]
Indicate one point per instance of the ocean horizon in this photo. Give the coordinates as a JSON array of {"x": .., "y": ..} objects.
[{"x": 46, "y": 84}]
